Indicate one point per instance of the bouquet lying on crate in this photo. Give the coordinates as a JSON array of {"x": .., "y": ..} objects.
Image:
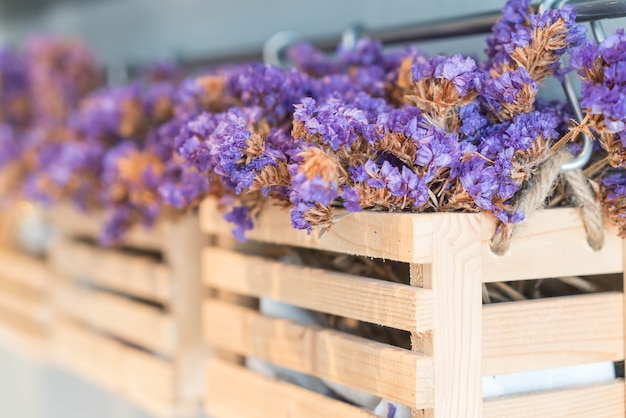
[{"x": 364, "y": 129}]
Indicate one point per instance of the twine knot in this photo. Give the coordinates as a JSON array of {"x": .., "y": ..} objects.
[{"x": 533, "y": 198}]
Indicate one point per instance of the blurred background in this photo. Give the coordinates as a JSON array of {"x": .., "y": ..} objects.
[{"x": 130, "y": 32}]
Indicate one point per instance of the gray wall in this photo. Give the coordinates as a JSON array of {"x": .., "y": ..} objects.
[{"x": 145, "y": 29}]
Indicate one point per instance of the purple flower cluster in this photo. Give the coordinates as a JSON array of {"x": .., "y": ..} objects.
[
  {"x": 61, "y": 72},
  {"x": 460, "y": 71},
  {"x": 613, "y": 190},
  {"x": 15, "y": 96},
  {"x": 603, "y": 71},
  {"x": 362, "y": 129},
  {"x": 534, "y": 41}
]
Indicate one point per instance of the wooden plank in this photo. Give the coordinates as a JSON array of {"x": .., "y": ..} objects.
[
  {"x": 555, "y": 332},
  {"x": 23, "y": 268},
  {"x": 24, "y": 301},
  {"x": 94, "y": 356},
  {"x": 395, "y": 236},
  {"x": 23, "y": 336},
  {"x": 182, "y": 252},
  {"x": 135, "y": 275},
  {"x": 383, "y": 370},
  {"x": 551, "y": 243},
  {"x": 72, "y": 222},
  {"x": 455, "y": 342},
  {"x": 598, "y": 401},
  {"x": 235, "y": 392},
  {"x": 142, "y": 378},
  {"x": 377, "y": 301},
  {"x": 124, "y": 318}
]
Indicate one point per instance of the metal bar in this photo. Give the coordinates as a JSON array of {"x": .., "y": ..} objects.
[
  {"x": 586, "y": 10},
  {"x": 589, "y": 10}
]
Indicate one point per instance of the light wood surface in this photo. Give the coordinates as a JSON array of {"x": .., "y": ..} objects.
[
  {"x": 24, "y": 301},
  {"x": 23, "y": 268},
  {"x": 600, "y": 401},
  {"x": 551, "y": 243},
  {"x": 182, "y": 253},
  {"x": 135, "y": 375},
  {"x": 135, "y": 275},
  {"x": 72, "y": 222},
  {"x": 129, "y": 320},
  {"x": 450, "y": 259},
  {"x": 364, "y": 233},
  {"x": 553, "y": 332},
  {"x": 455, "y": 278},
  {"x": 125, "y": 295},
  {"x": 23, "y": 336},
  {"x": 376, "y": 301},
  {"x": 261, "y": 396},
  {"x": 380, "y": 369}
]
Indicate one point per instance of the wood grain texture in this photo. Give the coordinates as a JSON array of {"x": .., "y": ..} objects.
[
  {"x": 365, "y": 233},
  {"x": 551, "y": 243},
  {"x": 75, "y": 223},
  {"x": 599, "y": 401},
  {"x": 133, "y": 374},
  {"x": 266, "y": 397},
  {"x": 135, "y": 275},
  {"x": 380, "y": 302},
  {"x": 380, "y": 369},
  {"x": 124, "y": 318},
  {"x": 456, "y": 337},
  {"x": 182, "y": 253},
  {"x": 554, "y": 332}
]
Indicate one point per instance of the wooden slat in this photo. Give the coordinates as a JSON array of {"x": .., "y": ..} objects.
[
  {"x": 235, "y": 392},
  {"x": 24, "y": 301},
  {"x": 182, "y": 252},
  {"x": 135, "y": 275},
  {"x": 380, "y": 369},
  {"x": 129, "y": 320},
  {"x": 22, "y": 335},
  {"x": 551, "y": 243},
  {"x": 395, "y": 236},
  {"x": 23, "y": 268},
  {"x": 376, "y": 301},
  {"x": 75, "y": 223},
  {"x": 138, "y": 376},
  {"x": 455, "y": 342},
  {"x": 600, "y": 401},
  {"x": 543, "y": 333}
]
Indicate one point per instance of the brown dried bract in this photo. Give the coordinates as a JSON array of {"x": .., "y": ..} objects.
[{"x": 318, "y": 163}]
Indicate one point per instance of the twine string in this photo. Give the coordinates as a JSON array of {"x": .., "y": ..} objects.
[{"x": 541, "y": 186}]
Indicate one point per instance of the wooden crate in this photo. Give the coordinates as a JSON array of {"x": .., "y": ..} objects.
[
  {"x": 25, "y": 310},
  {"x": 129, "y": 318},
  {"x": 456, "y": 340}
]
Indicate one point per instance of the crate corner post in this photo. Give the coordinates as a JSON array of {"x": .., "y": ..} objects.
[
  {"x": 454, "y": 277},
  {"x": 182, "y": 245}
]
